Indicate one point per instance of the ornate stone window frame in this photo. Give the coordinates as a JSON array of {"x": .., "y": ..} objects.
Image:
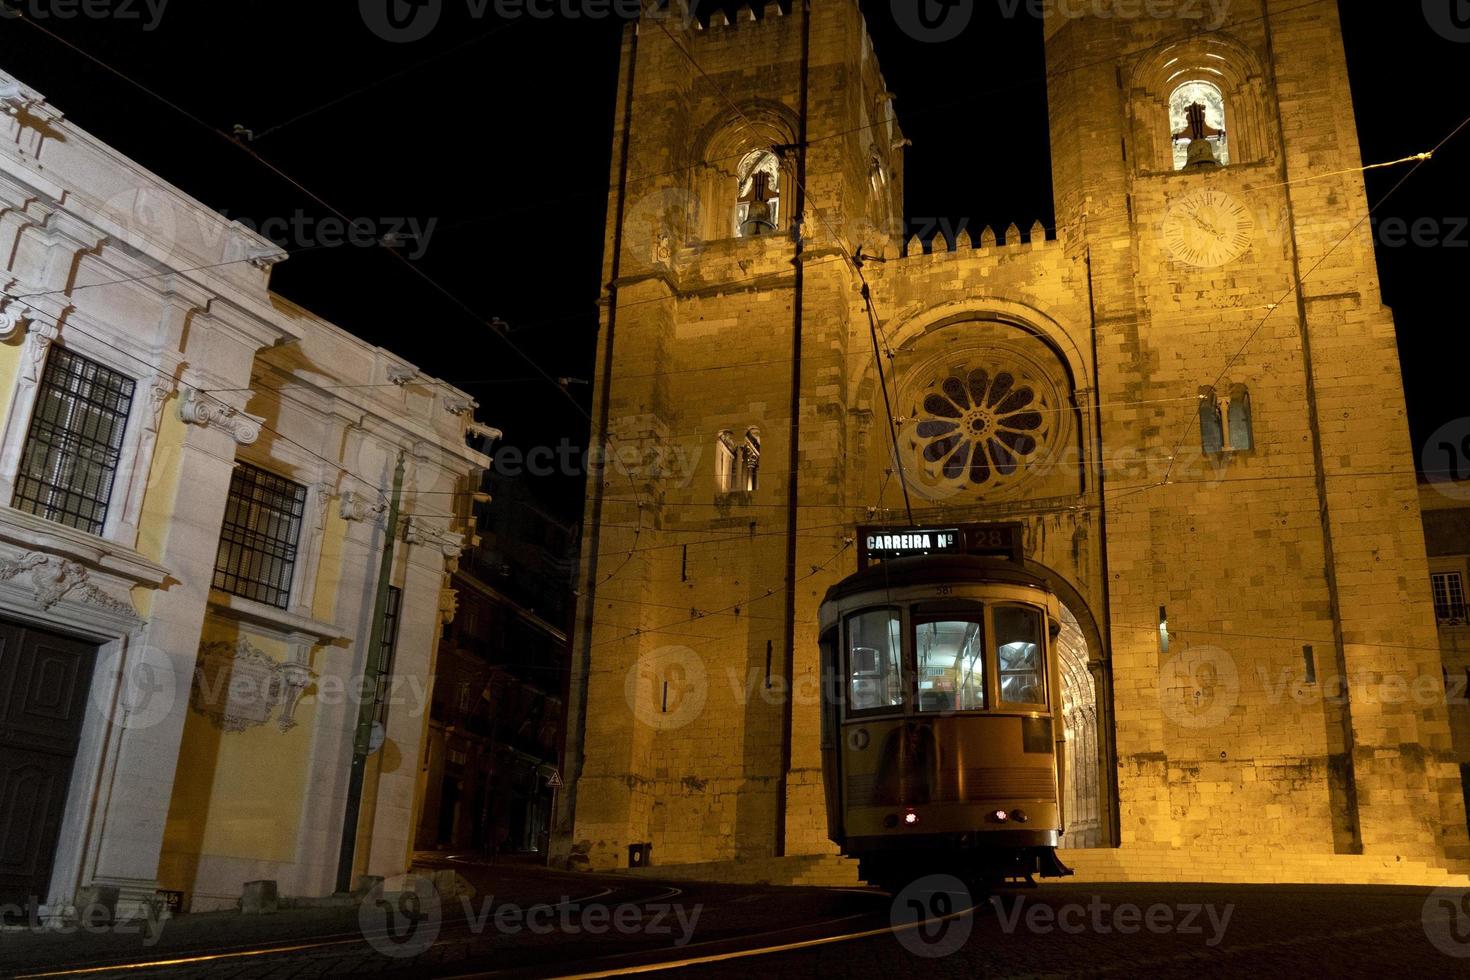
[
  {"x": 992, "y": 357},
  {"x": 43, "y": 323},
  {"x": 1219, "y": 59},
  {"x": 320, "y": 479},
  {"x": 762, "y": 125}
]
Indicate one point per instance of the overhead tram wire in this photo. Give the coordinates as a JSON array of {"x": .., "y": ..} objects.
[
  {"x": 424, "y": 63},
  {"x": 727, "y": 365},
  {"x": 816, "y": 570},
  {"x": 273, "y": 168},
  {"x": 368, "y": 482},
  {"x": 419, "y": 272},
  {"x": 1423, "y": 157},
  {"x": 930, "y": 106}
]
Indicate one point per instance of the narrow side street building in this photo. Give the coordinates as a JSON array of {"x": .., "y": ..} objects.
[{"x": 492, "y": 762}]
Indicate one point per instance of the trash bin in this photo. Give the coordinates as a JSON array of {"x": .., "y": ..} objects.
[{"x": 638, "y": 855}]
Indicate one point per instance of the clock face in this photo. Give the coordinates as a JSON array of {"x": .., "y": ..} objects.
[{"x": 1208, "y": 229}]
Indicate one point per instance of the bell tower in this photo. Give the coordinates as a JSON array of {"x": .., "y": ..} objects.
[
  {"x": 753, "y": 159},
  {"x": 1210, "y": 179}
]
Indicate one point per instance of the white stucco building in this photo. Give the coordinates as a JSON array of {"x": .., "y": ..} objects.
[{"x": 193, "y": 480}]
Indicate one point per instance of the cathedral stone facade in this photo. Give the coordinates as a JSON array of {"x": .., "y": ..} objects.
[{"x": 1189, "y": 394}]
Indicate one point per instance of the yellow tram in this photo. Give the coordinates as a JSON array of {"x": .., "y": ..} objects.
[{"x": 942, "y": 708}]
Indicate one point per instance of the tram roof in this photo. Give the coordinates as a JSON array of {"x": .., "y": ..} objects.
[{"x": 935, "y": 570}]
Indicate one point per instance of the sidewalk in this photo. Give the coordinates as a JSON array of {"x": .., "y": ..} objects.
[{"x": 42, "y": 949}]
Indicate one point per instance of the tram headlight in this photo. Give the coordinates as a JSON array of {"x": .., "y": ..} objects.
[
  {"x": 911, "y": 818},
  {"x": 1019, "y": 816},
  {"x": 1000, "y": 816}
]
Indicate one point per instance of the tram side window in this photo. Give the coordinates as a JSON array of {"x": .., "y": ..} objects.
[
  {"x": 951, "y": 665},
  {"x": 874, "y": 661},
  {"x": 1018, "y": 645}
]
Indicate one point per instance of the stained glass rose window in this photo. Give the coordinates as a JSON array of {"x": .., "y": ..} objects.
[{"x": 981, "y": 426}]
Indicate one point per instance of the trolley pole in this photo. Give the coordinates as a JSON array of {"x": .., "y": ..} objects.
[{"x": 372, "y": 679}]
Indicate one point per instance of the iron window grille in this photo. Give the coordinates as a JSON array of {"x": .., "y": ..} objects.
[
  {"x": 72, "y": 449},
  {"x": 257, "y": 545}
]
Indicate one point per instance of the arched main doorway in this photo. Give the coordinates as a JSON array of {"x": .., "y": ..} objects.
[
  {"x": 1083, "y": 789},
  {"x": 1090, "y": 774}
]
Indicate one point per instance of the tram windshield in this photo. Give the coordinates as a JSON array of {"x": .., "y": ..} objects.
[
  {"x": 944, "y": 661},
  {"x": 951, "y": 665},
  {"x": 876, "y": 657},
  {"x": 1018, "y": 648}
]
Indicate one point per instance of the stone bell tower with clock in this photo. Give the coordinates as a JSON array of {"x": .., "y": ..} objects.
[
  {"x": 1211, "y": 183},
  {"x": 1188, "y": 397}
]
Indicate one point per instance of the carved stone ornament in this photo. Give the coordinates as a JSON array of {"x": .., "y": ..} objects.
[
  {"x": 325, "y": 490},
  {"x": 266, "y": 258},
  {"x": 455, "y": 405},
  {"x": 53, "y": 579},
  {"x": 39, "y": 338},
  {"x": 238, "y": 685},
  {"x": 418, "y": 531},
  {"x": 354, "y": 505},
  {"x": 13, "y": 319},
  {"x": 198, "y": 408},
  {"x": 448, "y": 604}
]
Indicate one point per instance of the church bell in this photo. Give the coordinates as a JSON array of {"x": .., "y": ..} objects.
[{"x": 1201, "y": 154}]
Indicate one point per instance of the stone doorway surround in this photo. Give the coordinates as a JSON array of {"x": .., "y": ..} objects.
[{"x": 70, "y": 583}]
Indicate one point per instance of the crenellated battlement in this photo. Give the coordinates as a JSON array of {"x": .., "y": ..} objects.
[
  {"x": 744, "y": 17},
  {"x": 941, "y": 245}
]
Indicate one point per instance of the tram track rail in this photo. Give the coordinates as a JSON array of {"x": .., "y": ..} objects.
[
  {"x": 450, "y": 929},
  {"x": 460, "y": 928}
]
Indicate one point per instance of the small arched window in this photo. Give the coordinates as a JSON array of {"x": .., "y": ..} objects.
[
  {"x": 1197, "y": 113},
  {"x": 758, "y": 203},
  {"x": 1211, "y": 424},
  {"x": 1242, "y": 436},
  {"x": 725, "y": 462},
  {"x": 750, "y": 459}
]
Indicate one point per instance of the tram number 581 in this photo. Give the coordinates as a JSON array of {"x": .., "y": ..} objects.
[{"x": 944, "y": 590}]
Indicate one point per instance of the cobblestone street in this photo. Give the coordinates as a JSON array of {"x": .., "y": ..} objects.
[{"x": 531, "y": 922}]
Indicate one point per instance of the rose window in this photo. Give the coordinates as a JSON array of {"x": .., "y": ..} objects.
[{"x": 981, "y": 427}]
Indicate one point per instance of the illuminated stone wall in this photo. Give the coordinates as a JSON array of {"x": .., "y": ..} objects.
[{"x": 1303, "y": 545}]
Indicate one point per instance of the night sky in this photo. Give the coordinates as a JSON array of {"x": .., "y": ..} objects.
[{"x": 499, "y": 131}]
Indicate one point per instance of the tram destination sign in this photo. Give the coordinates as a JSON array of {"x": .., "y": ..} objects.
[{"x": 879, "y": 544}]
